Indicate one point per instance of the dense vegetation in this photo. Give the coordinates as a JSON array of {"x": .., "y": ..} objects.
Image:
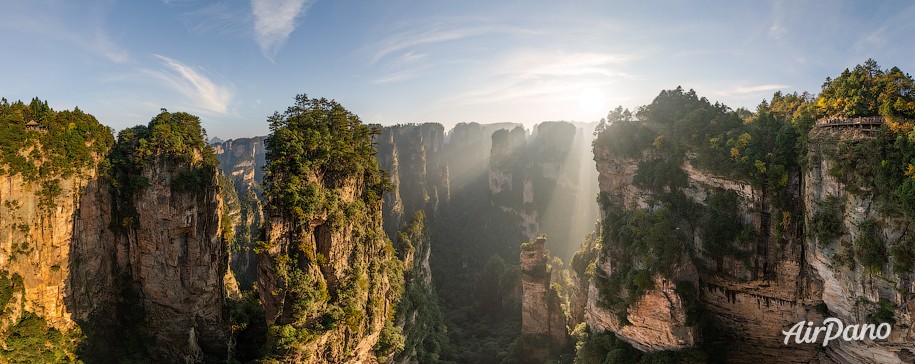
[
  {"x": 62, "y": 142},
  {"x": 54, "y": 146},
  {"x": 768, "y": 150},
  {"x": 174, "y": 140},
  {"x": 475, "y": 271},
  {"x": 868, "y": 90},
  {"x": 321, "y": 180}
]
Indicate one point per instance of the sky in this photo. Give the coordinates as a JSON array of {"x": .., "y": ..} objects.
[{"x": 235, "y": 63}]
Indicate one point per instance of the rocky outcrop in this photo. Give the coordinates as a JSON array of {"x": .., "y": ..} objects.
[
  {"x": 657, "y": 320},
  {"x": 749, "y": 302},
  {"x": 148, "y": 255},
  {"x": 35, "y": 241},
  {"x": 328, "y": 278},
  {"x": 543, "y": 321},
  {"x": 413, "y": 155},
  {"x": 242, "y": 162},
  {"x": 851, "y": 291}
]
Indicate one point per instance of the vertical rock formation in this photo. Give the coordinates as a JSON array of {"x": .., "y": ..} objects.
[
  {"x": 242, "y": 162},
  {"x": 413, "y": 155},
  {"x": 861, "y": 283},
  {"x": 543, "y": 322},
  {"x": 154, "y": 281},
  {"x": 537, "y": 178},
  {"x": 35, "y": 236},
  {"x": 327, "y": 276},
  {"x": 730, "y": 245}
]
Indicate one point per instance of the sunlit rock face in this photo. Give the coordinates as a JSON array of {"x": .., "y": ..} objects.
[{"x": 35, "y": 243}]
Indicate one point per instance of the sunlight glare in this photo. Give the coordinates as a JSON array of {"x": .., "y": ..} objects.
[{"x": 592, "y": 101}]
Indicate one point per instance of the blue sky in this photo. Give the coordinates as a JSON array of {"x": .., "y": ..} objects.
[{"x": 234, "y": 63}]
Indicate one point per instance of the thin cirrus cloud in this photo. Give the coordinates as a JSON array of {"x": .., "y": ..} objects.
[
  {"x": 202, "y": 92},
  {"x": 745, "y": 90},
  {"x": 274, "y": 21},
  {"x": 414, "y": 38}
]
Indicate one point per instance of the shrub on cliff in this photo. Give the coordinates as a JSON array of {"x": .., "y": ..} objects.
[
  {"x": 176, "y": 138},
  {"x": 57, "y": 143},
  {"x": 323, "y": 191}
]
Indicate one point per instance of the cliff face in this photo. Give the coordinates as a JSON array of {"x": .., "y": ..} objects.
[
  {"x": 150, "y": 255},
  {"x": 822, "y": 240},
  {"x": 35, "y": 236},
  {"x": 751, "y": 301},
  {"x": 853, "y": 290},
  {"x": 328, "y": 278},
  {"x": 413, "y": 155},
  {"x": 242, "y": 161},
  {"x": 543, "y": 322}
]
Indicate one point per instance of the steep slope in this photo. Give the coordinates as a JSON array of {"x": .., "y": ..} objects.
[
  {"x": 723, "y": 229},
  {"x": 242, "y": 161},
  {"x": 698, "y": 250},
  {"x": 47, "y": 159},
  {"x": 859, "y": 243},
  {"x": 150, "y": 282},
  {"x": 328, "y": 278}
]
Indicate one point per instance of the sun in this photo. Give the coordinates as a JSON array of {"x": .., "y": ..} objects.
[{"x": 592, "y": 101}]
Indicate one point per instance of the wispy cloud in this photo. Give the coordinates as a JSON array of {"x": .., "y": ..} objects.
[
  {"x": 745, "y": 90},
  {"x": 221, "y": 19},
  {"x": 435, "y": 34},
  {"x": 274, "y": 21},
  {"x": 203, "y": 93}
]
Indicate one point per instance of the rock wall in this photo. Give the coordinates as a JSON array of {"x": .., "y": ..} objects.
[
  {"x": 177, "y": 261},
  {"x": 242, "y": 162},
  {"x": 543, "y": 321},
  {"x": 35, "y": 241},
  {"x": 790, "y": 274},
  {"x": 849, "y": 290},
  {"x": 414, "y": 157},
  {"x": 749, "y": 302}
]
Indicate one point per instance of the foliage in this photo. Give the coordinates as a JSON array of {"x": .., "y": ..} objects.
[
  {"x": 320, "y": 154},
  {"x": 390, "y": 341},
  {"x": 883, "y": 311},
  {"x": 722, "y": 225},
  {"x": 32, "y": 340},
  {"x": 868, "y": 90},
  {"x": 869, "y": 247},
  {"x": 248, "y": 326},
  {"x": 173, "y": 138},
  {"x": 64, "y": 143},
  {"x": 623, "y": 134},
  {"x": 642, "y": 243},
  {"x": 424, "y": 330},
  {"x": 314, "y": 148},
  {"x": 826, "y": 223},
  {"x": 903, "y": 254}
]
